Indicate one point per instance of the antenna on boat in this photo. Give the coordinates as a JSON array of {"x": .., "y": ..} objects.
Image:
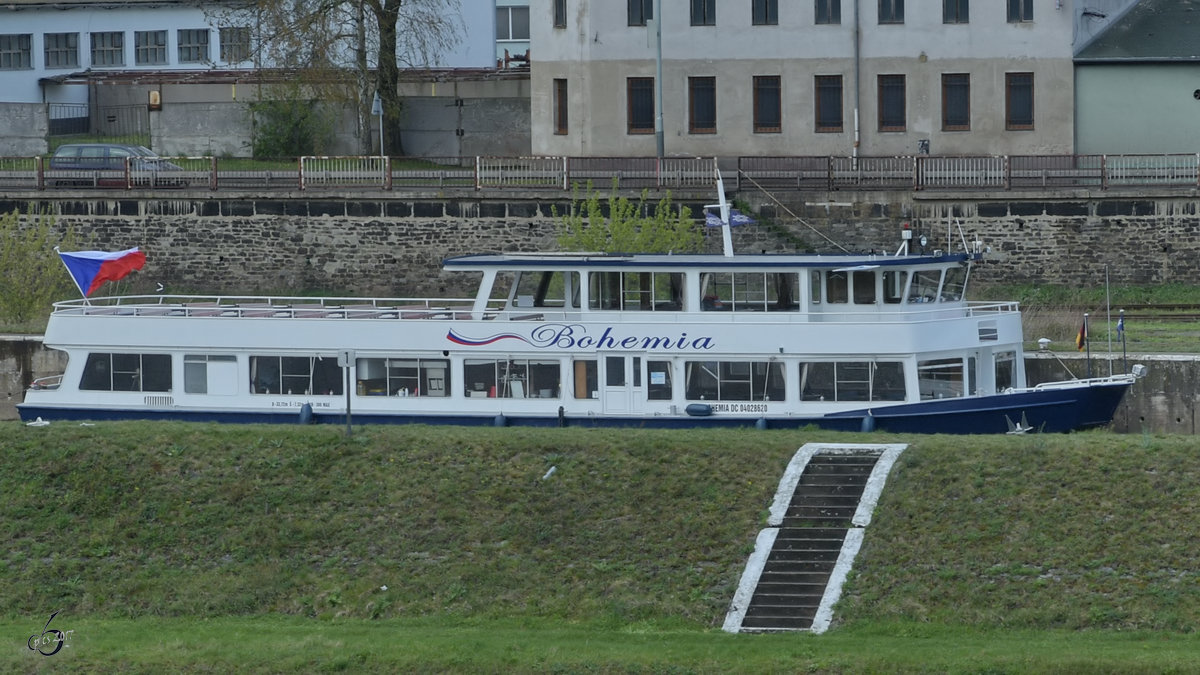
[{"x": 726, "y": 235}]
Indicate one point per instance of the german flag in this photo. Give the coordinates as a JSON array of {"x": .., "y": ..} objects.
[{"x": 1081, "y": 338}]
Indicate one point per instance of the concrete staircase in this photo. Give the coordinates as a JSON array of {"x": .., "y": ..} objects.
[{"x": 817, "y": 512}]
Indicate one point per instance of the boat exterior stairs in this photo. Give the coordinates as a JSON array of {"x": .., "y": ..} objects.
[{"x": 821, "y": 509}]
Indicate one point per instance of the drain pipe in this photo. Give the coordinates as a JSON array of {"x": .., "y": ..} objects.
[{"x": 857, "y": 75}]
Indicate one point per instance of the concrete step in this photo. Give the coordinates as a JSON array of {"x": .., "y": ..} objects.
[{"x": 786, "y": 556}]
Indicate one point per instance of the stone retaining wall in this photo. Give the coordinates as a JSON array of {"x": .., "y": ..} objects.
[{"x": 393, "y": 244}]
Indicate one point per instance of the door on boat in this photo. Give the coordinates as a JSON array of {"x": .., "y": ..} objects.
[{"x": 623, "y": 389}]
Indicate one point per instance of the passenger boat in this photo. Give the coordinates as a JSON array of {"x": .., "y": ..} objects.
[{"x": 849, "y": 342}]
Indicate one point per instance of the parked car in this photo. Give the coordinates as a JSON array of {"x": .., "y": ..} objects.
[{"x": 103, "y": 165}]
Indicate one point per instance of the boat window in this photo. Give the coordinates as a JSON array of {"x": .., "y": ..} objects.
[
  {"x": 586, "y": 381},
  {"x": 893, "y": 286},
  {"x": 837, "y": 287},
  {"x": 814, "y": 287},
  {"x": 659, "y": 373},
  {"x": 925, "y": 285},
  {"x": 956, "y": 282},
  {"x": 733, "y": 381},
  {"x": 512, "y": 378},
  {"x": 749, "y": 291},
  {"x": 1005, "y": 370},
  {"x": 210, "y": 374},
  {"x": 126, "y": 372},
  {"x": 864, "y": 288},
  {"x": 636, "y": 291},
  {"x": 295, "y": 375},
  {"x": 547, "y": 289},
  {"x": 941, "y": 378},
  {"x": 402, "y": 377},
  {"x": 614, "y": 371},
  {"x": 852, "y": 381}
]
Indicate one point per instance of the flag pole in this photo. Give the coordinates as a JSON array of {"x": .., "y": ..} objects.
[
  {"x": 1087, "y": 343},
  {"x": 73, "y": 279},
  {"x": 1121, "y": 332},
  {"x": 1108, "y": 319}
]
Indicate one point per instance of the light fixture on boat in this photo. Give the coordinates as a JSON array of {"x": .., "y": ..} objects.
[{"x": 1043, "y": 343}]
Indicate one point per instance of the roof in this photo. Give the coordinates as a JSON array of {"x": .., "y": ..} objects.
[
  {"x": 563, "y": 261},
  {"x": 264, "y": 76},
  {"x": 16, "y": 5},
  {"x": 1151, "y": 31}
]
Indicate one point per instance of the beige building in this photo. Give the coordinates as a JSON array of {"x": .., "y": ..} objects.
[{"x": 811, "y": 77}]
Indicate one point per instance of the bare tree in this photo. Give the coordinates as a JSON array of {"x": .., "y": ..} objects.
[{"x": 346, "y": 50}]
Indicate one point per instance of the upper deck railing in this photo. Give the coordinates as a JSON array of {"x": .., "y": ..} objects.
[
  {"x": 462, "y": 309},
  {"x": 398, "y": 174}
]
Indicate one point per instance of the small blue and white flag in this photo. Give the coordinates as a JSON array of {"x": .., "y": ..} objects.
[
  {"x": 1120, "y": 326},
  {"x": 736, "y": 218}
]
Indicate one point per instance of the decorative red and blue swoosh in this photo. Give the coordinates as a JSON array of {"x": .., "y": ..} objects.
[{"x": 480, "y": 342}]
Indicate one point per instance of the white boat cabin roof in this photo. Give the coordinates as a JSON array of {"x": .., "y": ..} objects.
[{"x": 579, "y": 261}]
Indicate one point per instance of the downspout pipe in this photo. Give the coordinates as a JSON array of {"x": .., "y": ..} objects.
[
  {"x": 857, "y": 75},
  {"x": 658, "y": 83}
]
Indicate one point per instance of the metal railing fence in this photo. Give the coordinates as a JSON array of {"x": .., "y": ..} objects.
[{"x": 568, "y": 174}]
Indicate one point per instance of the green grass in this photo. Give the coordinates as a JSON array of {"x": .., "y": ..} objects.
[
  {"x": 193, "y": 548},
  {"x": 1090, "y": 298},
  {"x": 275, "y": 644}
]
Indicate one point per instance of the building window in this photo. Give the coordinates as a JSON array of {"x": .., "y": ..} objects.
[
  {"x": 560, "y": 13},
  {"x": 1018, "y": 104},
  {"x": 640, "y": 11},
  {"x": 193, "y": 45},
  {"x": 560, "y": 107},
  {"x": 764, "y": 12},
  {"x": 891, "y": 11},
  {"x": 956, "y": 102},
  {"x": 768, "y": 115},
  {"x": 956, "y": 11},
  {"x": 62, "y": 50},
  {"x": 150, "y": 47},
  {"x": 512, "y": 23},
  {"x": 704, "y": 12},
  {"x": 829, "y": 11},
  {"x": 891, "y": 103},
  {"x": 108, "y": 49},
  {"x": 829, "y": 102},
  {"x": 702, "y": 105},
  {"x": 15, "y": 52},
  {"x": 235, "y": 44},
  {"x": 640, "y": 94},
  {"x": 1020, "y": 10}
]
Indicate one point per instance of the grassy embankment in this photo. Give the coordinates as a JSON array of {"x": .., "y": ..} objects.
[
  {"x": 1056, "y": 312},
  {"x": 176, "y": 547}
]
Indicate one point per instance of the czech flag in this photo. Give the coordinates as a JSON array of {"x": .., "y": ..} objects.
[{"x": 90, "y": 269}]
